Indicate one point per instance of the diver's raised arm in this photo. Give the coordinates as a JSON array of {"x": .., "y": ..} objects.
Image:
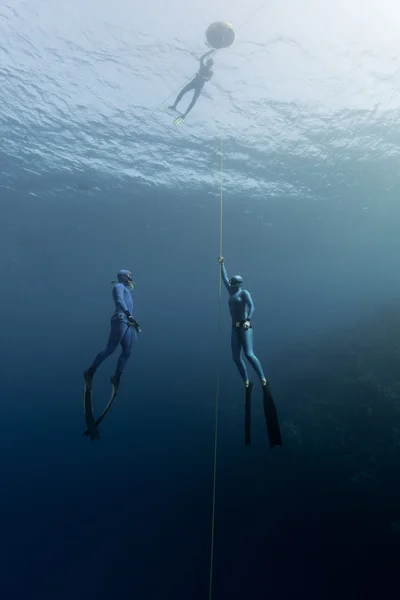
[
  {"x": 224, "y": 274},
  {"x": 203, "y": 58}
]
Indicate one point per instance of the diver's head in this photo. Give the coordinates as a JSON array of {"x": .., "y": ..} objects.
[
  {"x": 126, "y": 278},
  {"x": 210, "y": 63},
  {"x": 236, "y": 282}
]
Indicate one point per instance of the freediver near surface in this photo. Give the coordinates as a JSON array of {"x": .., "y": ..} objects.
[
  {"x": 241, "y": 307},
  {"x": 123, "y": 328},
  {"x": 197, "y": 83}
]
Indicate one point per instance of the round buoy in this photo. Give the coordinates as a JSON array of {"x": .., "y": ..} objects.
[{"x": 220, "y": 35}]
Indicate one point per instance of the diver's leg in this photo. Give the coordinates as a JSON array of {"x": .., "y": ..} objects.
[
  {"x": 126, "y": 345},
  {"x": 246, "y": 336},
  {"x": 197, "y": 92},
  {"x": 113, "y": 340},
  {"x": 271, "y": 416},
  {"x": 184, "y": 91},
  {"x": 237, "y": 356}
]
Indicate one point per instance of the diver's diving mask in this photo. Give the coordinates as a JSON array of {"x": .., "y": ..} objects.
[{"x": 130, "y": 283}]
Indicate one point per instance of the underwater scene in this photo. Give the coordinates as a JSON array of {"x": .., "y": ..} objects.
[{"x": 200, "y": 307}]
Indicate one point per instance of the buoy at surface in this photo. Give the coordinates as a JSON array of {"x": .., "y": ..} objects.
[{"x": 220, "y": 35}]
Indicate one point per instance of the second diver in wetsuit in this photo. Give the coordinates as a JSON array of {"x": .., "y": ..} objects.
[
  {"x": 241, "y": 307},
  {"x": 121, "y": 333},
  {"x": 204, "y": 74}
]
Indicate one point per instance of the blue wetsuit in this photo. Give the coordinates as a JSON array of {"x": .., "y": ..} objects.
[
  {"x": 241, "y": 307},
  {"x": 121, "y": 332}
]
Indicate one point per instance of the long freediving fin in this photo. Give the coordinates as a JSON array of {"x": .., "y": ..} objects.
[
  {"x": 247, "y": 415},
  {"x": 114, "y": 390},
  {"x": 271, "y": 418},
  {"x": 88, "y": 410}
]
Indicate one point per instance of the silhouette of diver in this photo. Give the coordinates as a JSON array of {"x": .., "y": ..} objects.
[
  {"x": 122, "y": 323},
  {"x": 241, "y": 307},
  {"x": 204, "y": 74}
]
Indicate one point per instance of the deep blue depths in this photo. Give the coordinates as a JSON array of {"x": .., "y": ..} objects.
[{"x": 130, "y": 515}]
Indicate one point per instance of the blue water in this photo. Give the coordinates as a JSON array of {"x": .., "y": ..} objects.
[{"x": 95, "y": 178}]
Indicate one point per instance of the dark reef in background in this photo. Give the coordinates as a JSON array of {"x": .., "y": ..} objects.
[
  {"x": 342, "y": 395},
  {"x": 348, "y": 387}
]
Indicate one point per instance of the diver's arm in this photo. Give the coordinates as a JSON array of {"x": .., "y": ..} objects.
[
  {"x": 250, "y": 304},
  {"x": 202, "y": 58},
  {"x": 224, "y": 277},
  {"x": 118, "y": 295}
]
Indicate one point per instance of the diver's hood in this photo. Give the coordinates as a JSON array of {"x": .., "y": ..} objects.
[
  {"x": 124, "y": 276},
  {"x": 236, "y": 280}
]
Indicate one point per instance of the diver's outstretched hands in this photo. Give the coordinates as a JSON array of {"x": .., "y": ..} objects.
[{"x": 221, "y": 260}]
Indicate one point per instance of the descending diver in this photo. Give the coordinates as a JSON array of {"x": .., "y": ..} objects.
[
  {"x": 122, "y": 322},
  {"x": 204, "y": 74},
  {"x": 241, "y": 307}
]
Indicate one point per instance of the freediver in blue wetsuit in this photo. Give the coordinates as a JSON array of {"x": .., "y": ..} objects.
[
  {"x": 122, "y": 323},
  {"x": 241, "y": 307}
]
